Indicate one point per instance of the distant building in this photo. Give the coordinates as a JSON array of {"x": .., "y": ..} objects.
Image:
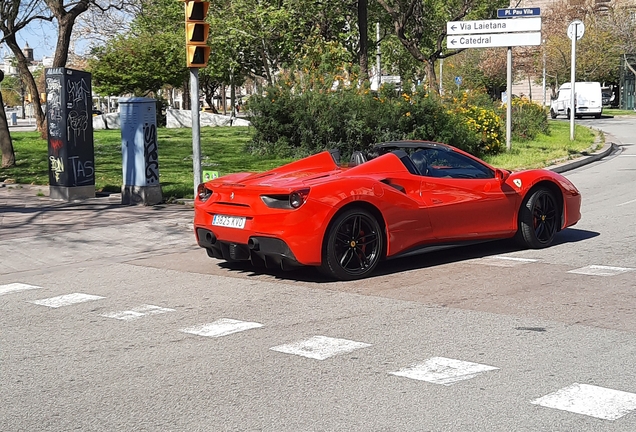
[{"x": 8, "y": 61}]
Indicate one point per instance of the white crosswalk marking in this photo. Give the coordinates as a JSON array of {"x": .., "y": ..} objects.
[
  {"x": 445, "y": 371},
  {"x": 66, "y": 300},
  {"x": 594, "y": 401},
  {"x": 503, "y": 261},
  {"x": 597, "y": 270},
  {"x": 138, "y": 312},
  {"x": 221, "y": 327},
  {"x": 16, "y": 287},
  {"x": 320, "y": 347}
]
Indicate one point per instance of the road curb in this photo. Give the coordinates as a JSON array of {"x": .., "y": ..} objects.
[{"x": 611, "y": 145}]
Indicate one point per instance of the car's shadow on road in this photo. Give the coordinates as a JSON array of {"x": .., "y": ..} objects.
[{"x": 414, "y": 262}]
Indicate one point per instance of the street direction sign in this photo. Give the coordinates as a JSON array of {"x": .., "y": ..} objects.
[
  {"x": 518, "y": 12},
  {"x": 578, "y": 27},
  {"x": 493, "y": 40},
  {"x": 458, "y": 80},
  {"x": 493, "y": 26}
]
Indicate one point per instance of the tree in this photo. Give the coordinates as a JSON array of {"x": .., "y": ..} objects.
[
  {"x": 420, "y": 25},
  {"x": 598, "y": 51},
  {"x": 11, "y": 91},
  {"x": 6, "y": 145},
  {"x": 15, "y": 15},
  {"x": 363, "y": 26},
  {"x": 138, "y": 64}
]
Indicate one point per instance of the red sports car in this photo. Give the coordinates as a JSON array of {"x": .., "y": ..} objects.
[{"x": 404, "y": 197}]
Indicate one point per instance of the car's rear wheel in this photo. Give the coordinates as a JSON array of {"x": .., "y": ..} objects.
[
  {"x": 353, "y": 245},
  {"x": 538, "y": 219},
  {"x": 553, "y": 113}
]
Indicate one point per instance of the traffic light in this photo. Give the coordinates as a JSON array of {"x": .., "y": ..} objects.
[{"x": 197, "y": 50}]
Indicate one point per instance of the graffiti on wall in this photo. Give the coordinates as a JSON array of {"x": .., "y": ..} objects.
[{"x": 151, "y": 154}]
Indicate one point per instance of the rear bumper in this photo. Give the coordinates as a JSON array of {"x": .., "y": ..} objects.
[{"x": 260, "y": 251}]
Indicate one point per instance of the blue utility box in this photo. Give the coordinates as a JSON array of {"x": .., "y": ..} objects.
[{"x": 140, "y": 151}]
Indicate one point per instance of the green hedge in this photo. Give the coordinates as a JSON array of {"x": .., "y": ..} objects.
[{"x": 289, "y": 122}]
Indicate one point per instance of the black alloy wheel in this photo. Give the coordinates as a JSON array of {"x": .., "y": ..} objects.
[
  {"x": 353, "y": 245},
  {"x": 539, "y": 219}
]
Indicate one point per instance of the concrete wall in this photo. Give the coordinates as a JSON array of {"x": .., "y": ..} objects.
[
  {"x": 174, "y": 119},
  {"x": 183, "y": 118},
  {"x": 106, "y": 121}
]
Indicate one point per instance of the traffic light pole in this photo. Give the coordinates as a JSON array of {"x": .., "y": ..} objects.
[{"x": 196, "y": 127}]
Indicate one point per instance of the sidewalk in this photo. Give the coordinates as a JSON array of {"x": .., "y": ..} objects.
[
  {"x": 24, "y": 125},
  {"x": 27, "y": 210}
]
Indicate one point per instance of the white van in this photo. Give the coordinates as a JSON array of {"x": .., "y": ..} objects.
[{"x": 588, "y": 100}]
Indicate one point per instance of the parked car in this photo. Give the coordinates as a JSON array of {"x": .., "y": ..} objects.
[
  {"x": 588, "y": 100},
  {"x": 608, "y": 97},
  {"x": 402, "y": 198}
]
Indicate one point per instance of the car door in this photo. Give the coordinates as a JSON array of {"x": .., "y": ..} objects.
[{"x": 464, "y": 198}]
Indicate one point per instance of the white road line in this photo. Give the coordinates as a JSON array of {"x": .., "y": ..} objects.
[
  {"x": 66, "y": 300},
  {"x": 625, "y": 203},
  {"x": 597, "y": 270},
  {"x": 521, "y": 260},
  {"x": 504, "y": 261},
  {"x": 221, "y": 327},
  {"x": 16, "y": 287},
  {"x": 599, "y": 402},
  {"x": 138, "y": 312},
  {"x": 444, "y": 371},
  {"x": 320, "y": 347}
]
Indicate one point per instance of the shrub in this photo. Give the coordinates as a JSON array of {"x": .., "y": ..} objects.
[
  {"x": 528, "y": 120},
  {"x": 291, "y": 120}
]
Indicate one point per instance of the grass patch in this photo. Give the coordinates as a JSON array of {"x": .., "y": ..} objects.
[
  {"x": 616, "y": 111},
  {"x": 545, "y": 149},
  {"x": 223, "y": 150}
]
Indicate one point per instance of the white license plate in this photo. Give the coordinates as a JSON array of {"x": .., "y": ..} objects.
[{"x": 229, "y": 221}]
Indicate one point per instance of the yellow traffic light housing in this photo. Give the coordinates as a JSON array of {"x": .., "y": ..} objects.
[{"x": 197, "y": 31}]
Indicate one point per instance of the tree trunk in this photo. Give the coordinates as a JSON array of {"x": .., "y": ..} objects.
[
  {"x": 364, "y": 40},
  {"x": 185, "y": 97},
  {"x": 27, "y": 76},
  {"x": 6, "y": 145},
  {"x": 432, "y": 78},
  {"x": 65, "y": 21},
  {"x": 64, "y": 31}
]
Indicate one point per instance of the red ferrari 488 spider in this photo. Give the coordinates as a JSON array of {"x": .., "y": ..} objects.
[{"x": 405, "y": 197}]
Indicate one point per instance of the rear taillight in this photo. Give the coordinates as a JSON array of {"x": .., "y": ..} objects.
[
  {"x": 203, "y": 193},
  {"x": 297, "y": 198}
]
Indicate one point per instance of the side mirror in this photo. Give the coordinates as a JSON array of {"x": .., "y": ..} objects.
[{"x": 501, "y": 175}]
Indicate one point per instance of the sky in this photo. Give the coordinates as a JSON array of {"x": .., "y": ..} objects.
[{"x": 41, "y": 36}]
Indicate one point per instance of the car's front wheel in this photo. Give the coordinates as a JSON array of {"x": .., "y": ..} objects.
[
  {"x": 353, "y": 245},
  {"x": 553, "y": 113},
  {"x": 538, "y": 219}
]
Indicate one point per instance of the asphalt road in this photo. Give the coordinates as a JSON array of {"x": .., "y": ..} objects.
[{"x": 482, "y": 338}]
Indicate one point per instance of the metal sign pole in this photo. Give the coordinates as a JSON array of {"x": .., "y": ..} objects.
[
  {"x": 572, "y": 82},
  {"x": 509, "y": 100},
  {"x": 196, "y": 127}
]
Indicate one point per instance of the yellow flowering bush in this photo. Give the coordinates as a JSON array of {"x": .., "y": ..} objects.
[{"x": 485, "y": 122}]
